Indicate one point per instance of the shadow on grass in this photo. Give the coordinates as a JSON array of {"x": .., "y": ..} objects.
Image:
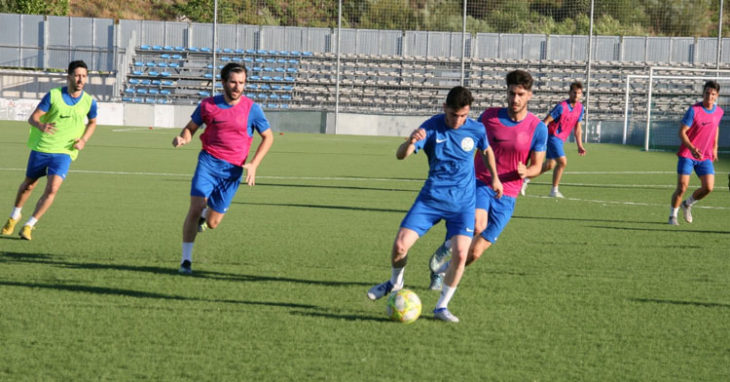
[
  {"x": 335, "y": 187},
  {"x": 588, "y": 220},
  {"x": 347, "y": 317},
  {"x": 7, "y": 257},
  {"x": 668, "y": 229},
  {"x": 346, "y": 208},
  {"x": 675, "y": 302}
]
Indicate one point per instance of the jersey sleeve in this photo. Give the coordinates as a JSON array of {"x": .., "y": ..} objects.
[
  {"x": 582, "y": 112},
  {"x": 689, "y": 117},
  {"x": 539, "y": 139},
  {"x": 482, "y": 142},
  {"x": 92, "y": 110},
  {"x": 196, "y": 117},
  {"x": 45, "y": 104},
  {"x": 557, "y": 111},
  {"x": 257, "y": 120},
  {"x": 419, "y": 144}
]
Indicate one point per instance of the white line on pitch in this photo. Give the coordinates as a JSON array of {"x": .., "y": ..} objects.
[{"x": 625, "y": 203}]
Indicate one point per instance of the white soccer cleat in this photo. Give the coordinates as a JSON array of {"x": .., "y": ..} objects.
[
  {"x": 673, "y": 220},
  {"x": 556, "y": 194},
  {"x": 383, "y": 289},
  {"x": 443, "y": 314},
  {"x": 686, "y": 212},
  {"x": 437, "y": 281}
]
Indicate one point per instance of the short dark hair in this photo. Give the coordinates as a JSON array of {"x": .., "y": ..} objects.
[
  {"x": 73, "y": 65},
  {"x": 459, "y": 97},
  {"x": 576, "y": 85},
  {"x": 712, "y": 85},
  {"x": 520, "y": 77},
  {"x": 232, "y": 67}
]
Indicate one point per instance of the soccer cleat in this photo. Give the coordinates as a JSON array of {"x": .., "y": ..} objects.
[
  {"x": 443, "y": 314},
  {"x": 437, "y": 281},
  {"x": 383, "y": 289},
  {"x": 686, "y": 211},
  {"x": 524, "y": 186},
  {"x": 439, "y": 258},
  {"x": 673, "y": 220},
  {"x": 186, "y": 268},
  {"x": 556, "y": 194},
  {"x": 25, "y": 232},
  {"x": 202, "y": 225},
  {"x": 9, "y": 226}
]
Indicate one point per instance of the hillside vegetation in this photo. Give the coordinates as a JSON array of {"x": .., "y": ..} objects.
[{"x": 616, "y": 17}]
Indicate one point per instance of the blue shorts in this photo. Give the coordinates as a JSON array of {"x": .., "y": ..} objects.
[
  {"x": 554, "y": 147},
  {"x": 422, "y": 216},
  {"x": 216, "y": 180},
  {"x": 42, "y": 164},
  {"x": 499, "y": 211},
  {"x": 701, "y": 167}
]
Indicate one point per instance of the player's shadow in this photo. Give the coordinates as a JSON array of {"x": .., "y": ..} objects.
[
  {"x": 8, "y": 257},
  {"x": 335, "y": 187},
  {"x": 346, "y": 317},
  {"x": 587, "y": 220},
  {"x": 669, "y": 229},
  {"x": 78, "y": 288},
  {"x": 677, "y": 302},
  {"x": 326, "y": 207}
]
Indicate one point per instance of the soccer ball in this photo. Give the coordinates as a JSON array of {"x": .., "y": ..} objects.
[{"x": 404, "y": 306}]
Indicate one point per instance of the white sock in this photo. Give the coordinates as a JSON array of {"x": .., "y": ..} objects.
[
  {"x": 554, "y": 189},
  {"x": 527, "y": 180},
  {"x": 187, "y": 252},
  {"x": 446, "y": 294},
  {"x": 16, "y": 213},
  {"x": 204, "y": 214},
  {"x": 31, "y": 222},
  {"x": 396, "y": 277},
  {"x": 690, "y": 201},
  {"x": 673, "y": 211},
  {"x": 447, "y": 244}
]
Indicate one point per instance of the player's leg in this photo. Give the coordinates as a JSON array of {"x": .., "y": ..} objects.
[
  {"x": 419, "y": 219},
  {"x": 556, "y": 157},
  {"x": 460, "y": 248},
  {"x": 684, "y": 169},
  {"x": 56, "y": 165},
  {"x": 706, "y": 172},
  {"x": 557, "y": 175},
  {"x": 24, "y": 191}
]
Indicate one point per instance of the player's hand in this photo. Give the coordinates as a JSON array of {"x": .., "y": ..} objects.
[
  {"x": 80, "y": 144},
  {"x": 521, "y": 170},
  {"x": 696, "y": 153},
  {"x": 497, "y": 187},
  {"x": 47, "y": 128},
  {"x": 581, "y": 151},
  {"x": 178, "y": 141},
  {"x": 417, "y": 135},
  {"x": 250, "y": 174}
]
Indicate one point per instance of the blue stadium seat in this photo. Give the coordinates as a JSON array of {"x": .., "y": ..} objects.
[
  {"x": 272, "y": 106},
  {"x": 226, "y": 59},
  {"x": 256, "y": 69},
  {"x": 161, "y": 100},
  {"x": 295, "y": 53},
  {"x": 271, "y": 60},
  {"x": 176, "y": 57},
  {"x": 289, "y": 79},
  {"x": 288, "y": 87},
  {"x": 133, "y": 81},
  {"x": 180, "y": 48},
  {"x": 165, "y": 56},
  {"x": 167, "y": 47},
  {"x": 281, "y": 61},
  {"x": 236, "y": 59},
  {"x": 156, "y": 47},
  {"x": 262, "y": 52},
  {"x": 193, "y": 49},
  {"x": 205, "y": 50},
  {"x": 265, "y": 87},
  {"x": 286, "y": 97},
  {"x": 141, "y": 91},
  {"x": 145, "y": 82},
  {"x": 251, "y": 95},
  {"x": 165, "y": 74},
  {"x": 150, "y": 100},
  {"x": 250, "y": 51},
  {"x": 227, "y": 50},
  {"x": 137, "y": 72},
  {"x": 252, "y": 86},
  {"x": 204, "y": 93},
  {"x": 208, "y": 75},
  {"x": 150, "y": 64},
  {"x": 266, "y": 78},
  {"x": 248, "y": 59},
  {"x": 284, "y": 106},
  {"x": 274, "y": 97},
  {"x": 268, "y": 69},
  {"x": 129, "y": 90},
  {"x": 139, "y": 64},
  {"x": 173, "y": 65},
  {"x": 277, "y": 78},
  {"x": 307, "y": 54},
  {"x": 153, "y": 73},
  {"x": 165, "y": 92},
  {"x": 275, "y": 87},
  {"x": 161, "y": 64},
  {"x": 154, "y": 91},
  {"x": 156, "y": 82},
  {"x": 167, "y": 83},
  {"x": 294, "y": 70},
  {"x": 145, "y": 47},
  {"x": 238, "y": 51},
  {"x": 293, "y": 62},
  {"x": 137, "y": 100},
  {"x": 255, "y": 78},
  {"x": 282, "y": 70},
  {"x": 259, "y": 60},
  {"x": 126, "y": 99}
]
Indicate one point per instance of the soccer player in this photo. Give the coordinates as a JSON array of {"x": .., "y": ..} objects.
[
  {"x": 565, "y": 117},
  {"x": 517, "y": 137},
  {"x": 230, "y": 120},
  {"x": 58, "y": 132},
  {"x": 449, "y": 140},
  {"x": 698, "y": 132}
]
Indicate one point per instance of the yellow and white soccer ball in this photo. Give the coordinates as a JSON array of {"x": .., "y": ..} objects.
[{"x": 404, "y": 306}]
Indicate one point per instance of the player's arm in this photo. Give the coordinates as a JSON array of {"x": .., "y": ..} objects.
[
  {"x": 88, "y": 132},
  {"x": 717, "y": 141},
  {"x": 267, "y": 139},
  {"x": 548, "y": 119},
  {"x": 535, "y": 167},
  {"x": 186, "y": 135},
  {"x": 578, "y": 134},
  {"x": 491, "y": 163},
  {"x": 35, "y": 121},
  {"x": 696, "y": 153},
  {"x": 409, "y": 146}
]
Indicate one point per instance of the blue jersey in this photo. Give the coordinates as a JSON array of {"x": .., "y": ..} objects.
[
  {"x": 45, "y": 104},
  {"x": 451, "y": 180}
]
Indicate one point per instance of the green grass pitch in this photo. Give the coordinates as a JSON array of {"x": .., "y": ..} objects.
[{"x": 596, "y": 286}]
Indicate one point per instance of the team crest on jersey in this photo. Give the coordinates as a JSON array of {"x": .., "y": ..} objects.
[{"x": 467, "y": 144}]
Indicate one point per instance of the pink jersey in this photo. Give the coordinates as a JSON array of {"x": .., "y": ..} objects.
[
  {"x": 511, "y": 145},
  {"x": 226, "y": 134},
  {"x": 703, "y": 132},
  {"x": 563, "y": 125}
]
